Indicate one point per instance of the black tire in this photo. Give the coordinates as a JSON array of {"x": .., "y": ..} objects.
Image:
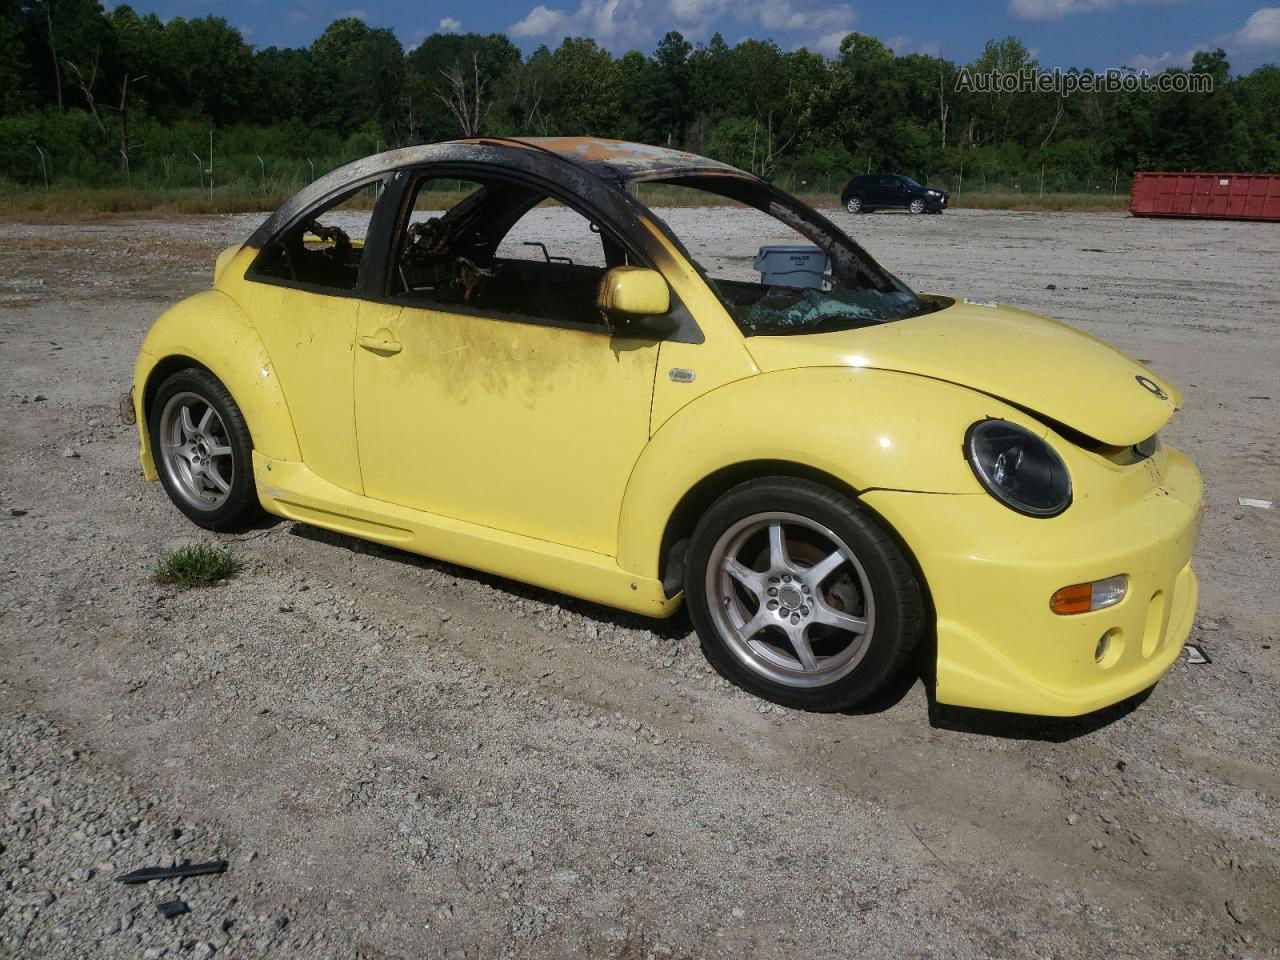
[
  {"x": 240, "y": 504},
  {"x": 916, "y": 206},
  {"x": 854, "y": 205},
  {"x": 899, "y": 617}
]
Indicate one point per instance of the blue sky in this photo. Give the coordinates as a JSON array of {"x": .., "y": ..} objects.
[{"x": 1063, "y": 33}]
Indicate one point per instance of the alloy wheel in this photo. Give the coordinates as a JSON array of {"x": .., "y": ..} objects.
[
  {"x": 790, "y": 599},
  {"x": 196, "y": 451}
]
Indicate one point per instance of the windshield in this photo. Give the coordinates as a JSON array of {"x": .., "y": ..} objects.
[{"x": 785, "y": 268}]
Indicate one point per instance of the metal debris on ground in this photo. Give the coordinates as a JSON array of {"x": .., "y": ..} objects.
[
  {"x": 1195, "y": 653},
  {"x": 172, "y": 908},
  {"x": 147, "y": 874}
]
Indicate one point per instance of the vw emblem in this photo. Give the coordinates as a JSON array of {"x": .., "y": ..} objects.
[{"x": 1150, "y": 385}]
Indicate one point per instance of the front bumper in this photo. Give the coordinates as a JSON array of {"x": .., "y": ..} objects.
[{"x": 991, "y": 572}]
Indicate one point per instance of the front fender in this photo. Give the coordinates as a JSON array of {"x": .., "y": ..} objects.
[
  {"x": 210, "y": 329},
  {"x": 871, "y": 429}
]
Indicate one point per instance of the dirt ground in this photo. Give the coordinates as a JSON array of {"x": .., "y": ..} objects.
[{"x": 401, "y": 758}]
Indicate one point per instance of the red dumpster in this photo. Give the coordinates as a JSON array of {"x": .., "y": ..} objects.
[{"x": 1233, "y": 196}]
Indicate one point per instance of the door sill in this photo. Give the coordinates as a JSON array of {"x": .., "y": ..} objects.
[{"x": 290, "y": 489}]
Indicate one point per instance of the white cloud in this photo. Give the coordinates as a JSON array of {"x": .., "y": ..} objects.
[
  {"x": 828, "y": 43},
  {"x": 1057, "y": 9},
  {"x": 817, "y": 28},
  {"x": 694, "y": 17},
  {"x": 539, "y": 22},
  {"x": 783, "y": 16},
  {"x": 634, "y": 22},
  {"x": 611, "y": 22},
  {"x": 450, "y": 25},
  {"x": 1261, "y": 31},
  {"x": 1162, "y": 61}
]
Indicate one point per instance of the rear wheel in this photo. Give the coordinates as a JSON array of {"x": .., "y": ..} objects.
[
  {"x": 917, "y": 205},
  {"x": 202, "y": 450},
  {"x": 853, "y": 205},
  {"x": 799, "y": 596}
]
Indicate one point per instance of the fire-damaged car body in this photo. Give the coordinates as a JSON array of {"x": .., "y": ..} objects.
[{"x": 836, "y": 479}]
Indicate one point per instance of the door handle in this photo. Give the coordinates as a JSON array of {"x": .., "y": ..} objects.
[{"x": 380, "y": 344}]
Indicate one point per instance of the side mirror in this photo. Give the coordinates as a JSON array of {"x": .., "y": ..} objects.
[{"x": 629, "y": 293}]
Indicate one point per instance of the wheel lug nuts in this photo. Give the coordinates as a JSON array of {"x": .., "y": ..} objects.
[
  {"x": 772, "y": 604},
  {"x": 804, "y": 611},
  {"x": 795, "y": 618},
  {"x": 773, "y": 591},
  {"x": 786, "y": 577}
]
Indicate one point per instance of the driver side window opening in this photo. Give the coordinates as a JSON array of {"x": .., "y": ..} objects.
[
  {"x": 502, "y": 247},
  {"x": 327, "y": 248}
]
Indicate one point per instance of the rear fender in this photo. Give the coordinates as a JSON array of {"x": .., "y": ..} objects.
[{"x": 209, "y": 330}]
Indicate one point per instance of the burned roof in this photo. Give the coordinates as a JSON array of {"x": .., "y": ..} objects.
[
  {"x": 616, "y": 161},
  {"x": 622, "y": 159}
]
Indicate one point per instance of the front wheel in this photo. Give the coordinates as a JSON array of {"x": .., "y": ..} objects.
[
  {"x": 917, "y": 206},
  {"x": 799, "y": 596},
  {"x": 202, "y": 450}
]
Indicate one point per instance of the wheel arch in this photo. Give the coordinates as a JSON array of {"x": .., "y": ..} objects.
[
  {"x": 210, "y": 332},
  {"x": 695, "y": 501},
  {"x": 679, "y": 525}
]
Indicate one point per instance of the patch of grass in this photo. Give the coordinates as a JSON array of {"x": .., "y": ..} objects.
[
  {"x": 1081, "y": 202},
  {"x": 76, "y": 204},
  {"x": 200, "y": 565}
]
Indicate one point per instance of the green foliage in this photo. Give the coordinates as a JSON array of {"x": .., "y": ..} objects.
[
  {"x": 200, "y": 565},
  {"x": 117, "y": 99}
]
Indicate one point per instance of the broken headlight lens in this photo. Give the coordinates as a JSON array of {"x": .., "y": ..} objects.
[{"x": 1018, "y": 468}]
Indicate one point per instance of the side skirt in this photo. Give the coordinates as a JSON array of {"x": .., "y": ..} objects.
[{"x": 289, "y": 489}]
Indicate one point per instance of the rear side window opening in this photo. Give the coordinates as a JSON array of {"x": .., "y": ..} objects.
[
  {"x": 857, "y": 292},
  {"x": 325, "y": 250}
]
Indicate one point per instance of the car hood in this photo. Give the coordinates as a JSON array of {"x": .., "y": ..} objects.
[{"x": 1032, "y": 362}]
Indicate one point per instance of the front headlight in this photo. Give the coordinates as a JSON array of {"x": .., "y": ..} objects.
[{"x": 1018, "y": 468}]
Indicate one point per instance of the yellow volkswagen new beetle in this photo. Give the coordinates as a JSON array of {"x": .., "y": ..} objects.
[{"x": 833, "y": 471}]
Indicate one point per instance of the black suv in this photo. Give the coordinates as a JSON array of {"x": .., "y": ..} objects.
[{"x": 878, "y": 191}]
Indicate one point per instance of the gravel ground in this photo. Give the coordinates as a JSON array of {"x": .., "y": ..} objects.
[{"x": 401, "y": 758}]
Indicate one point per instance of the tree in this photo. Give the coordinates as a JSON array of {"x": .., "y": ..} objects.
[
  {"x": 667, "y": 102},
  {"x": 208, "y": 67},
  {"x": 585, "y": 97},
  {"x": 465, "y": 96},
  {"x": 361, "y": 71},
  {"x": 483, "y": 61}
]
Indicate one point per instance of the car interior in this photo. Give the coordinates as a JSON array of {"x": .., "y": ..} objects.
[
  {"x": 321, "y": 254},
  {"x": 473, "y": 253},
  {"x": 856, "y": 292},
  {"x": 482, "y": 245}
]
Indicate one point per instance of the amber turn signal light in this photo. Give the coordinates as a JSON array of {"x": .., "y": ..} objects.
[{"x": 1084, "y": 597}]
